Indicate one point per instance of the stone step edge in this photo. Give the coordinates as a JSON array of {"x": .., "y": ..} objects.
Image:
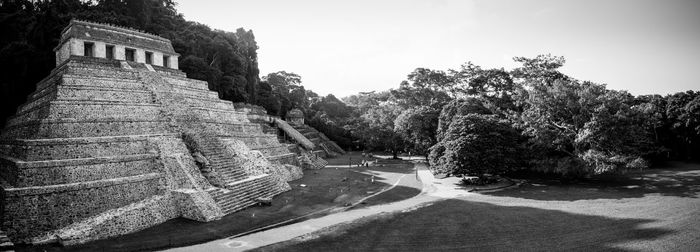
[
  {"x": 82, "y": 120},
  {"x": 115, "y": 103},
  {"x": 229, "y": 196},
  {"x": 78, "y": 68},
  {"x": 280, "y": 156},
  {"x": 250, "y": 178},
  {"x": 61, "y": 188},
  {"x": 80, "y": 102},
  {"x": 37, "y": 95},
  {"x": 61, "y": 69},
  {"x": 213, "y": 121},
  {"x": 227, "y": 200},
  {"x": 44, "y": 88},
  {"x": 78, "y": 76},
  {"x": 266, "y": 147},
  {"x": 241, "y": 199},
  {"x": 98, "y": 88},
  {"x": 77, "y": 161},
  {"x": 211, "y": 101},
  {"x": 203, "y": 88},
  {"x": 244, "y": 190},
  {"x": 5, "y": 242},
  {"x": 32, "y": 122},
  {"x": 182, "y": 78},
  {"x": 198, "y": 93},
  {"x": 247, "y": 135},
  {"x": 232, "y": 110},
  {"x": 245, "y": 203},
  {"x": 84, "y": 140},
  {"x": 177, "y": 87}
]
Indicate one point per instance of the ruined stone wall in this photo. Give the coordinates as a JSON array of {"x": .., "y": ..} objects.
[
  {"x": 135, "y": 216},
  {"x": 35, "y": 210}
]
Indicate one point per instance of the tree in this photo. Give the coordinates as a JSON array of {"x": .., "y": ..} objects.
[
  {"x": 418, "y": 128},
  {"x": 477, "y": 144},
  {"x": 495, "y": 86},
  {"x": 267, "y": 99},
  {"x": 456, "y": 108},
  {"x": 683, "y": 113},
  {"x": 287, "y": 88},
  {"x": 584, "y": 128},
  {"x": 375, "y": 128},
  {"x": 424, "y": 87},
  {"x": 539, "y": 71}
]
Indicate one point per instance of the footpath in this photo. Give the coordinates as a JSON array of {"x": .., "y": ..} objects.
[{"x": 432, "y": 190}]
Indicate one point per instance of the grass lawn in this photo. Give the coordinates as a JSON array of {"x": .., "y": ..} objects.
[
  {"x": 659, "y": 213},
  {"x": 325, "y": 189}
]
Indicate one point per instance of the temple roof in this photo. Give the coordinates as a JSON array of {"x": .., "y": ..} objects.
[{"x": 115, "y": 35}]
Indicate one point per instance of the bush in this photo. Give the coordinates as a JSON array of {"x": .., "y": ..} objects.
[
  {"x": 478, "y": 181},
  {"x": 476, "y": 144}
]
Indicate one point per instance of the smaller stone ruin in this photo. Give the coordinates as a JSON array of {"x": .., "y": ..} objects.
[{"x": 295, "y": 117}]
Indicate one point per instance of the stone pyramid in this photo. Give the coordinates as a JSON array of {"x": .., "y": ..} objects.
[{"x": 116, "y": 139}]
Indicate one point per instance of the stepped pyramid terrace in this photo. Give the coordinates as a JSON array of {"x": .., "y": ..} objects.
[
  {"x": 117, "y": 139},
  {"x": 321, "y": 143}
]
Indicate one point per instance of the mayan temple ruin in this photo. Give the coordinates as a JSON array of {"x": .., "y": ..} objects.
[{"x": 117, "y": 139}]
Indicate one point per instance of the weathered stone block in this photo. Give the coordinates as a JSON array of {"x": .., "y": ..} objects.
[{"x": 197, "y": 205}]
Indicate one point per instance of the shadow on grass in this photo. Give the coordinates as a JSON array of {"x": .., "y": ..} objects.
[
  {"x": 680, "y": 180},
  {"x": 323, "y": 190},
  {"x": 458, "y": 225}
]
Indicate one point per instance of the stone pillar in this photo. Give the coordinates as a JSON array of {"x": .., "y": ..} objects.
[
  {"x": 77, "y": 47},
  {"x": 119, "y": 52},
  {"x": 140, "y": 56},
  {"x": 157, "y": 58},
  {"x": 100, "y": 50},
  {"x": 173, "y": 62},
  {"x": 63, "y": 53}
]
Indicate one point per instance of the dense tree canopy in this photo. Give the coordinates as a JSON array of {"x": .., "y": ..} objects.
[
  {"x": 584, "y": 124},
  {"x": 573, "y": 128}
]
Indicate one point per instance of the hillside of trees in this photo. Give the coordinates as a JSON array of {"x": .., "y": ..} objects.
[{"x": 474, "y": 120}]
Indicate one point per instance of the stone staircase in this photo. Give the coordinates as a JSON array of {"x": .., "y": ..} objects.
[
  {"x": 243, "y": 193},
  {"x": 308, "y": 154},
  {"x": 220, "y": 160},
  {"x": 223, "y": 120},
  {"x": 5, "y": 242},
  {"x": 324, "y": 146},
  {"x": 219, "y": 123}
]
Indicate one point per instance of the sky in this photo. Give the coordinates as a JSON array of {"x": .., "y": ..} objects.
[{"x": 346, "y": 47}]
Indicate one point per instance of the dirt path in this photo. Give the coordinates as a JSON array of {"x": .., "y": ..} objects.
[
  {"x": 659, "y": 213},
  {"x": 291, "y": 231}
]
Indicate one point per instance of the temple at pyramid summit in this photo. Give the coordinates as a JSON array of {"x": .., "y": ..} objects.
[{"x": 117, "y": 139}]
